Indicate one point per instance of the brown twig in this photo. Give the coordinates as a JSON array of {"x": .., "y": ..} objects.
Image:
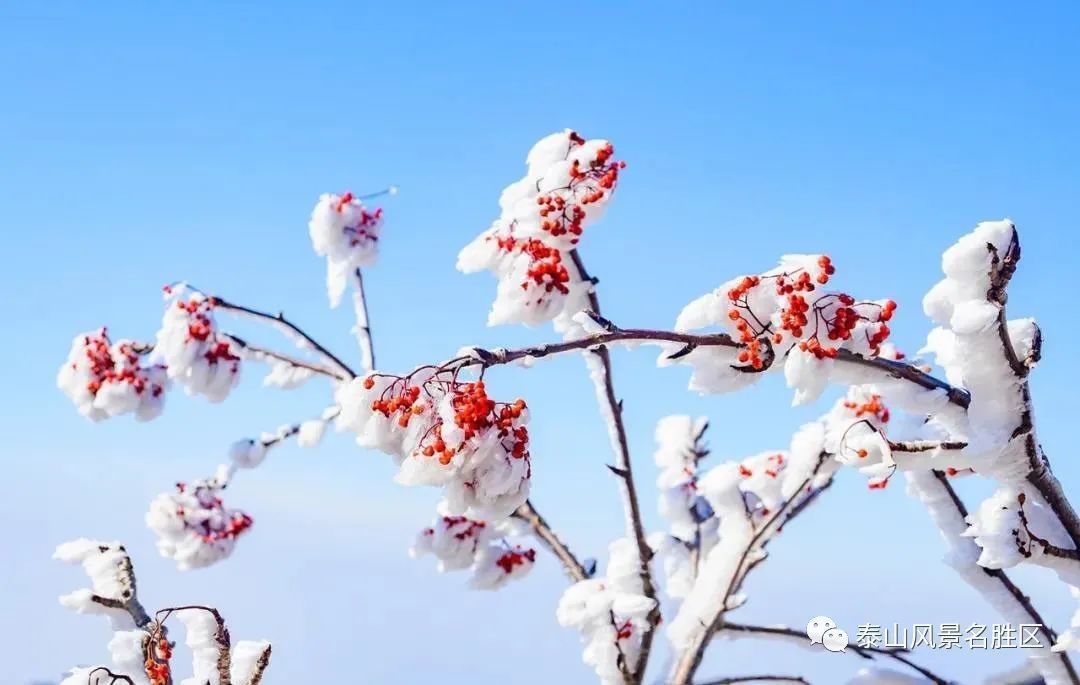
[
  {"x": 896, "y": 653},
  {"x": 758, "y": 679},
  {"x": 623, "y": 469},
  {"x": 293, "y": 361},
  {"x": 540, "y": 527},
  {"x": 280, "y": 321}
]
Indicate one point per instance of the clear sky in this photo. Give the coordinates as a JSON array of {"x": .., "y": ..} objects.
[{"x": 142, "y": 143}]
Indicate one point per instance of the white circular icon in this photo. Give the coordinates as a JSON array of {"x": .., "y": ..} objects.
[
  {"x": 816, "y": 628},
  {"x": 835, "y": 640}
]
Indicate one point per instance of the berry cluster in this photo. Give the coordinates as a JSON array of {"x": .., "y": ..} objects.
[
  {"x": 114, "y": 364},
  {"x": 748, "y": 332},
  {"x": 474, "y": 413},
  {"x": 212, "y": 529},
  {"x": 363, "y": 227},
  {"x": 562, "y": 210},
  {"x": 515, "y": 557},
  {"x": 873, "y": 406},
  {"x": 472, "y": 528},
  {"x": 158, "y": 653},
  {"x": 774, "y": 463}
]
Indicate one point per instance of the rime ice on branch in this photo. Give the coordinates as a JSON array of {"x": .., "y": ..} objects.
[
  {"x": 611, "y": 613},
  {"x": 140, "y": 649}
]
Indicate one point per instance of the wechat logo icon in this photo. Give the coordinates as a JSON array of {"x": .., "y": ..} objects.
[{"x": 822, "y": 631}]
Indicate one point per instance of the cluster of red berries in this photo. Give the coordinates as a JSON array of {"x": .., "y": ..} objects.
[
  {"x": 403, "y": 404},
  {"x": 470, "y": 531},
  {"x": 515, "y": 557},
  {"x": 625, "y": 630},
  {"x": 774, "y": 464},
  {"x": 221, "y": 351},
  {"x": 602, "y": 172},
  {"x": 359, "y": 232},
  {"x": 565, "y": 221},
  {"x": 159, "y": 651},
  {"x": 199, "y": 325},
  {"x": 546, "y": 268},
  {"x": 237, "y": 524},
  {"x": 589, "y": 184},
  {"x": 103, "y": 367},
  {"x": 873, "y": 406},
  {"x": 475, "y": 412},
  {"x": 748, "y": 334}
]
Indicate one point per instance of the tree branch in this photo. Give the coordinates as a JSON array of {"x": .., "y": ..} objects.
[
  {"x": 758, "y": 679},
  {"x": 281, "y": 323},
  {"x": 363, "y": 327},
  {"x": 528, "y": 513},
  {"x": 611, "y": 407},
  {"x": 690, "y": 659},
  {"x": 260, "y": 352},
  {"x": 1002, "y": 268},
  {"x": 1020, "y": 600},
  {"x": 895, "y": 653}
]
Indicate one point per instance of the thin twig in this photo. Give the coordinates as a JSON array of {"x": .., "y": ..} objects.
[
  {"x": 758, "y": 679},
  {"x": 257, "y": 352},
  {"x": 280, "y": 321},
  {"x": 605, "y": 391},
  {"x": 363, "y": 327},
  {"x": 896, "y": 653},
  {"x": 540, "y": 527}
]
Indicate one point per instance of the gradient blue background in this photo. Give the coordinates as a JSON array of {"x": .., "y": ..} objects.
[{"x": 142, "y": 143}]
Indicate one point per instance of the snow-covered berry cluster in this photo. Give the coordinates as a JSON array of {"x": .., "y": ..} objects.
[
  {"x": 192, "y": 347},
  {"x": 106, "y": 379},
  {"x": 193, "y": 526},
  {"x": 783, "y": 314},
  {"x": 446, "y": 432},
  {"x": 569, "y": 183},
  {"x": 483, "y": 547},
  {"x": 346, "y": 232},
  {"x": 610, "y": 613}
]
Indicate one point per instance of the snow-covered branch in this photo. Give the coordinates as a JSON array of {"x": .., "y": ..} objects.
[{"x": 140, "y": 650}]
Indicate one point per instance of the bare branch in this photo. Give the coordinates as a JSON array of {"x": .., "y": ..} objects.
[
  {"x": 256, "y": 352},
  {"x": 279, "y": 321},
  {"x": 758, "y": 679},
  {"x": 540, "y": 527},
  {"x": 899, "y": 654}
]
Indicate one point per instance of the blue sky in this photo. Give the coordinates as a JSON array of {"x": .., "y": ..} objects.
[{"x": 144, "y": 143}]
